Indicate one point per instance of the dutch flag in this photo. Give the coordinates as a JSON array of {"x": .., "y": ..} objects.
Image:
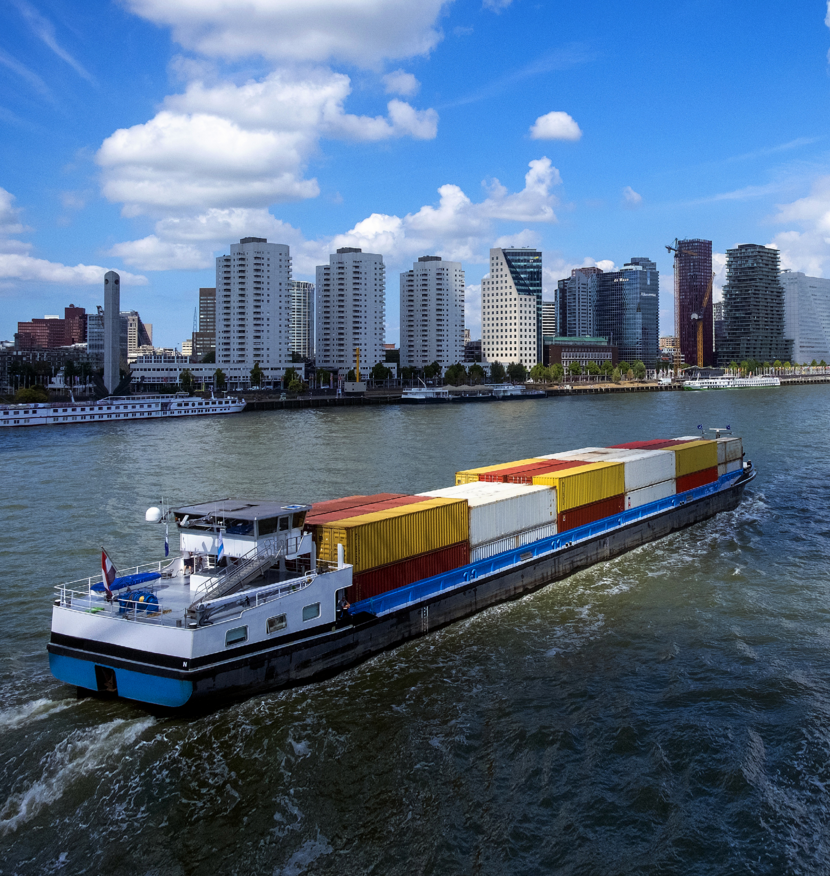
[
  {"x": 220, "y": 548},
  {"x": 166, "y": 539},
  {"x": 108, "y": 573}
]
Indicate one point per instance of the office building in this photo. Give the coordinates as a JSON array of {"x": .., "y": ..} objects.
[
  {"x": 53, "y": 331},
  {"x": 511, "y": 307},
  {"x": 252, "y": 308},
  {"x": 628, "y": 310},
  {"x": 432, "y": 313},
  {"x": 351, "y": 310},
  {"x": 548, "y": 319},
  {"x": 753, "y": 300},
  {"x": 136, "y": 335},
  {"x": 718, "y": 323},
  {"x": 301, "y": 318},
  {"x": 112, "y": 330},
  {"x": 692, "y": 276},
  {"x": 576, "y": 303},
  {"x": 565, "y": 351},
  {"x": 204, "y": 338},
  {"x": 807, "y": 316}
]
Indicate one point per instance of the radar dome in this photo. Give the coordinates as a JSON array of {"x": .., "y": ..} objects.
[{"x": 153, "y": 515}]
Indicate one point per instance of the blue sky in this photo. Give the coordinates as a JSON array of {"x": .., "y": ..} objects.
[{"x": 148, "y": 135}]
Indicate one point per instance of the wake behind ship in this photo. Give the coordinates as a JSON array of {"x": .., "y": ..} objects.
[{"x": 267, "y": 594}]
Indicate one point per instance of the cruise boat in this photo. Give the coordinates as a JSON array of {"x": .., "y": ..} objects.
[
  {"x": 730, "y": 382},
  {"x": 267, "y": 594},
  {"x": 425, "y": 395},
  {"x": 127, "y": 407},
  {"x": 508, "y": 392}
]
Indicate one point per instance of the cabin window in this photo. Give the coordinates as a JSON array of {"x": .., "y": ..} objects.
[
  {"x": 267, "y": 526},
  {"x": 311, "y": 611},
  {"x": 284, "y": 524},
  {"x": 275, "y": 624},
  {"x": 236, "y": 636}
]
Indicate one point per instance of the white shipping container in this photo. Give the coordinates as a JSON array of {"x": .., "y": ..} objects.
[
  {"x": 727, "y": 467},
  {"x": 729, "y": 449},
  {"x": 531, "y": 535},
  {"x": 642, "y": 467},
  {"x": 571, "y": 454},
  {"x": 652, "y": 493},
  {"x": 500, "y": 510},
  {"x": 510, "y": 542}
]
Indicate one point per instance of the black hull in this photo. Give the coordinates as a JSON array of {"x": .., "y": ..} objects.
[{"x": 306, "y": 660}]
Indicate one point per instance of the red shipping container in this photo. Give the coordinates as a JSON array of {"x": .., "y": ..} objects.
[
  {"x": 377, "y": 581},
  {"x": 347, "y": 502},
  {"x": 364, "y": 508},
  {"x": 589, "y": 513},
  {"x": 696, "y": 479},
  {"x": 549, "y": 467}
]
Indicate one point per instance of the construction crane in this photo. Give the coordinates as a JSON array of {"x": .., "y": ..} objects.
[
  {"x": 698, "y": 318},
  {"x": 677, "y": 252}
]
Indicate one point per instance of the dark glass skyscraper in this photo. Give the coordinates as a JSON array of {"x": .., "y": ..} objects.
[
  {"x": 576, "y": 308},
  {"x": 692, "y": 273},
  {"x": 628, "y": 310},
  {"x": 753, "y": 299},
  {"x": 525, "y": 267}
]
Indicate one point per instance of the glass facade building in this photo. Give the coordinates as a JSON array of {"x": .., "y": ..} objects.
[
  {"x": 576, "y": 303},
  {"x": 807, "y": 316},
  {"x": 692, "y": 273},
  {"x": 525, "y": 266},
  {"x": 628, "y": 310}
]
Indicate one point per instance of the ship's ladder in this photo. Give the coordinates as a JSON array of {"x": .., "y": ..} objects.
[{"x": 245, "y": 569}]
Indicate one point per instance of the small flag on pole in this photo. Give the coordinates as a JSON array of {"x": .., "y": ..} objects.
[
  {"x": 166, "y": 539},
  {"x": 220, "y": 548},
  {"x": 108, "y": 572}
]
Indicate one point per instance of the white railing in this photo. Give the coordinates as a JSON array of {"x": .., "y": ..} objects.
[
  {"x": 252, "y": 598},
  {"x": 122, "y": 608},
  {"x": 133, "y": 570}
]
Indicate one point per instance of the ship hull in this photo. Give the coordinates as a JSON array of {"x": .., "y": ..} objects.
[{"x": 273, "y": 666}]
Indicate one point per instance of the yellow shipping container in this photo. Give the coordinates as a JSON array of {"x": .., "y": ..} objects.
[
  {"x": 470, "y": 475},
  {"x": 396, "y": 534},
  {"x": 585, "y": 484},
  {"x": 694, "y": 456}
]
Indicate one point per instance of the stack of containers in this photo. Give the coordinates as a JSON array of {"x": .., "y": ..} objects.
[
  {"x": 695, "y": 463},
  {"x": 503, "y": 516},
  {"x": 322, "y": 513},
  {"x": 586, "y": 493},
  {"x": 524, "y": 474},
  {"x": 649, "y": 474},
  {"x": 730, "y": 455},
  {"x": 393, "y": 547},
  {"x": 472, "y": 475}
]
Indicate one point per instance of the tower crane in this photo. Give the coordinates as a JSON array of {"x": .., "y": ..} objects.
[{"x": 698, "y": 318}]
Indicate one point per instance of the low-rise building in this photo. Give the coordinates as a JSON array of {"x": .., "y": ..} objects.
[{"x": 566, "y": 351}]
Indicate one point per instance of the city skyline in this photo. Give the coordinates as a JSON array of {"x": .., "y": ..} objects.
[{"x": 371, "y": 130}]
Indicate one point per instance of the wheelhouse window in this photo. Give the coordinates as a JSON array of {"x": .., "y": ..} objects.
[{"x": 236, "y": 636}]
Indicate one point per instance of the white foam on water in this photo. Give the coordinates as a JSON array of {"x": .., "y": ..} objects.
[
  {"x": 33, "y": 711},
  {"x": 308, "y": 853},
  {"x": 81, "y": 753}
]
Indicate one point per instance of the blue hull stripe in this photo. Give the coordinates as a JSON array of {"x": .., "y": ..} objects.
[
  {"x": 132, "y": 685},
  {"x": 428, "y": 587}
]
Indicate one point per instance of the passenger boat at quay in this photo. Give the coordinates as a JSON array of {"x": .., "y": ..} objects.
[
  {"x": 116, "y": 407},
  {"x": 267, "y": 594},
  {"x": 730, "y": 383}
]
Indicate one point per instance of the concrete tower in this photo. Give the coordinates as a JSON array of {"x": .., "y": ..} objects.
[{"x": 112, "y": 330}]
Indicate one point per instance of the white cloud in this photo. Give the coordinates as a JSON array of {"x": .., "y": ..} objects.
[
  {"x": 400, "y": 82},
  {"x": 523, "y": 238},
  {"x": 361, "y": 32},
  {"x": 472, "y": 309},
  {"x": 631, "y": 198},
  {"x": 152, "y": 254},
  {"x": 10, "y": 215},
  {"x": 231, "y": 146},
  {"x": 496, "y": 5},
  {"x": 24, "y": 267},
  {"x": 555, "y": 126},
  {"x": 45, "y": 31},
  {"x": 806, "y": 247}
]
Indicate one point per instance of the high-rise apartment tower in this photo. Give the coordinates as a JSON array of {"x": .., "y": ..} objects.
[
  {"x": 807, "y": 316},
  {"x": 692, "y": 275},
  {"x": 301, "y": 318},
  {"x": 432, "y": 313},
  {"x": 576, "y": 303}
]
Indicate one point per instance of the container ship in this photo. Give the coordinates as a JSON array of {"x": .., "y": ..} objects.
[{"x": 268, "y": 594}]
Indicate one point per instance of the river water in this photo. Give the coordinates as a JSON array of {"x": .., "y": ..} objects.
[{"x": 666, "y": 712}]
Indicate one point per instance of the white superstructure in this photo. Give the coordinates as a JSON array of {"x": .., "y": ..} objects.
[
  {"x": 351, "y": 310},
  {"x": 509, "y": 317},
  {"x": 432, "y": 313},
  {"x": 252, "y": 306}
]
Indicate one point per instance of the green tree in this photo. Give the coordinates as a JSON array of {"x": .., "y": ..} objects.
[
  {"x": 381, "y": 372},
  {"x": 517, "y": 372},
  {"x": 557, "y": 372},
  {"x": 616, "y": 375},
  {"x": 323, "y": 377},
  {"x": 822, "y": 364},
  {"x": 538, "y": 373},
  {"x": 432, "y": 371},
  {"x": 624, "y": 368},
  {"x": 639, "y": 369},
  {"x": 409, "y": 372},
  {"x": 350, "y": 377},
  {"x": 607, "y": 367},
  {"x": 219, "y": 380},
  {"x": 477, "y": 373},
  {"x": 497, "y": 372},
  {"x": 593, "y": 369},
  {"x": 787, "y": 366},
  {"x": 31, "y": 395},
  {"x": 290, "y": 374},
  {"x": 209, "y": 358},
  {"x": 813, "y": 364},
  {"x": 70, "y": 372},
  {"x": 574, "y": 369},
  {"x": 186, "y": 380},
  {"x": 455, "y": 374},
  {"x": 296, "y": 385},
  {"x": 256, "y": 376}
]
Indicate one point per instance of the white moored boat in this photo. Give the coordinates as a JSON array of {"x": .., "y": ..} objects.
[
  {"x": 730, "y": 382},
  {"x": 128, "y": 407}
]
